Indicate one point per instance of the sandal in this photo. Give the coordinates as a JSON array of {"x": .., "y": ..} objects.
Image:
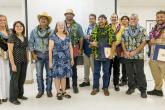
[
  {"x": 59, "y": 96},
  {"x": 64, "y": 94}
]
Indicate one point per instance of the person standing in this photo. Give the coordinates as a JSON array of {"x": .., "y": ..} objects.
[
  {"x": 87, "y": 56},
  {"x": 76, "y": 34},
  {"x": 123, "y": 81},
  {"x": 4, "y": 63},
  {"x": 133, "y": 42},
  {"x": 60, "y": 59},
  {"x": 17, "y": 44},
  {"x": 115, "y": 62},
  {"x": 157, "y": 37},
  {"x": 102, "y": 37},
  {"x": 38, "y": 45}
]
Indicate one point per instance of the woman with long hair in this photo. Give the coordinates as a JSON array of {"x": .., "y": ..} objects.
[{"x": 17, "y": 44}]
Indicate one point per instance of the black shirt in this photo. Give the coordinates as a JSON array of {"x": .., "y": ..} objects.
[{"x": 19, "y": 49}]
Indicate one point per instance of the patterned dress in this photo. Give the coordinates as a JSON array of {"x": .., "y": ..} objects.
[{"x": 61, "y": 58}]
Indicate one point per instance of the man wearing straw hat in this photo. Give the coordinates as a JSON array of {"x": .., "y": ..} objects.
[
  {"x": 76, "y": 34},
  {"x": 38, "y": 44}
]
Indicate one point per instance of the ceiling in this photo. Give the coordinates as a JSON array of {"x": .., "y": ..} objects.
[
  {"x": 121, "y": 3},
  {"x": 4, "y": 3},
  {"x": 141, "y": 3}
]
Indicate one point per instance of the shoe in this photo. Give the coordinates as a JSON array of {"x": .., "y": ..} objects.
[
  {"x": 83, "y": 84},
  {"x": 67, "y": 87},
  {"x": 16, "y": 102},
  {"x": 95, "y": 91},
  {"x": 144, "y": 94},
  {"x": 4, "y": 100},
  {"x": 123, "y": 83},
  {"x": 106, "y": 92},
  {"x": 66, "y": 95},
  {"x": 59, "y": 96},
  {"x": 130, "y": 91},
  {"x": 49, "y": 94},
  {"x": 23, "y": 98},
  {"x": 156, "y": 92},
  {"x": 117, "y": 88},
  {"x": 39, "y": 95},
  {"x": 75, "y": 89}
]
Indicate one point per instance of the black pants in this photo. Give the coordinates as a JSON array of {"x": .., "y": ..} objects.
[
  {"x": 138, "y": 79},
  {"x": 124, "y": 74},
  {"x": 17, "y": 81},
  {"x": 115, "y": 63},
  {"x": 74, "y": 76}
]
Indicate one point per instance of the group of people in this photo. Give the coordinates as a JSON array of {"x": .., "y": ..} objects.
[{"x": 57, "y": 51}]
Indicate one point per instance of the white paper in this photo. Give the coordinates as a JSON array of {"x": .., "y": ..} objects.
[
  {"x": 161, "y": 55},
  {"x": 107, "y": 51}
]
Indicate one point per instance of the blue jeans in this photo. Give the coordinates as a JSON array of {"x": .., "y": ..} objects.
[
  {"x": 106, "y": 74},
  {"x": 40, "y": 63}
]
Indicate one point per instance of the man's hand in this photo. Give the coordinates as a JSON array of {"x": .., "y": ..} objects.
[{"x": 132, "y": 53}]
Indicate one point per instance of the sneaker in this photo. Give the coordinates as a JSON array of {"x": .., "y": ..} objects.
[
  {"x": 117, "y": 88},
  {"x": 155, "y": 92},
  {"x": 59, "y": 96},
  {"x": 39, "y": 95},
  {"x": 95, "y": 91},
  {"x": 83, "y": 84},
  {"x": 106, "y": 92},
  {"x": 130, "y": 91},
  {"x": 144, "y": 94}
]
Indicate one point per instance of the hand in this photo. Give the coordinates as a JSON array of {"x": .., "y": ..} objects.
[
  {"x": 94, "y": 43},
  {"x": 14, "y": 68},
  {"x": 132, "y": 53},
  {"x": 111, "y": 56},
  {"x": 152, "y": 41},
  {"x": 34, "y": 56},
  {"x": 50, "y": 65},
  {"x": 80, "y": 52},
  {"x": 72, "y": 62},
  {"x": 127, "y": 54}
]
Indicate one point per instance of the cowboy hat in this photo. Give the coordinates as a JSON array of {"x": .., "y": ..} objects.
[
  {"x": 45, "y": 14},
  {"x": 69, "y": 11}
]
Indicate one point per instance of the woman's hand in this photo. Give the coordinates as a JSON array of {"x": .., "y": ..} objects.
[
  {"x": 72, "y": 61},
  {"x": 14, "y": 68},
  {"x": 50, "y": 65}
]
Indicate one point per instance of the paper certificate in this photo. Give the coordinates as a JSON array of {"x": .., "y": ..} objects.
[
  {"x": 161, "y": 55},
  {"x": 107, "y": 52}
]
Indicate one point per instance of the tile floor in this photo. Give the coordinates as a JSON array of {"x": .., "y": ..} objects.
[{"x": 83, "y": 100}]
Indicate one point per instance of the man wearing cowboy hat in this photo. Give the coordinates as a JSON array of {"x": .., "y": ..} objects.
[
  {"x": 76, "y": 34},
  {"x": 38, "y": 44}
]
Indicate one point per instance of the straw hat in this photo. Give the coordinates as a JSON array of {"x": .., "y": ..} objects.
[
  {"x": 45, "y": 14},
  {"x": 69, "y": 11}
]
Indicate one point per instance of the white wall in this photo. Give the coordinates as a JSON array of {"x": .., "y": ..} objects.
[
  {"x": 56, "y": 9},
  {"x": 13, "y": 13},
  {"x": 144, "y": 12}
]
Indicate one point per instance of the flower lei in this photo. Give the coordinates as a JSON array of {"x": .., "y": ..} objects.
[
  {"x": 97, "y": 32},
  {"x": 118, "y": 27},
  {"x": 73, "y": 32},
  {"x": 157, "y": 31}
]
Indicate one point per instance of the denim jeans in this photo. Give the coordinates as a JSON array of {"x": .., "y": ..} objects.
[
  {"x": 40, "y": 63},
  {"x": 96, "y": 75}
]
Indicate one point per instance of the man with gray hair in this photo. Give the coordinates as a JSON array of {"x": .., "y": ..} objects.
[{"x": 133, "y": 41}]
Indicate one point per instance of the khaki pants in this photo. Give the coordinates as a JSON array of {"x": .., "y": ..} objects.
[
  {"x": 158, "y": 73},
  {"x": 88, "y": 62}
]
